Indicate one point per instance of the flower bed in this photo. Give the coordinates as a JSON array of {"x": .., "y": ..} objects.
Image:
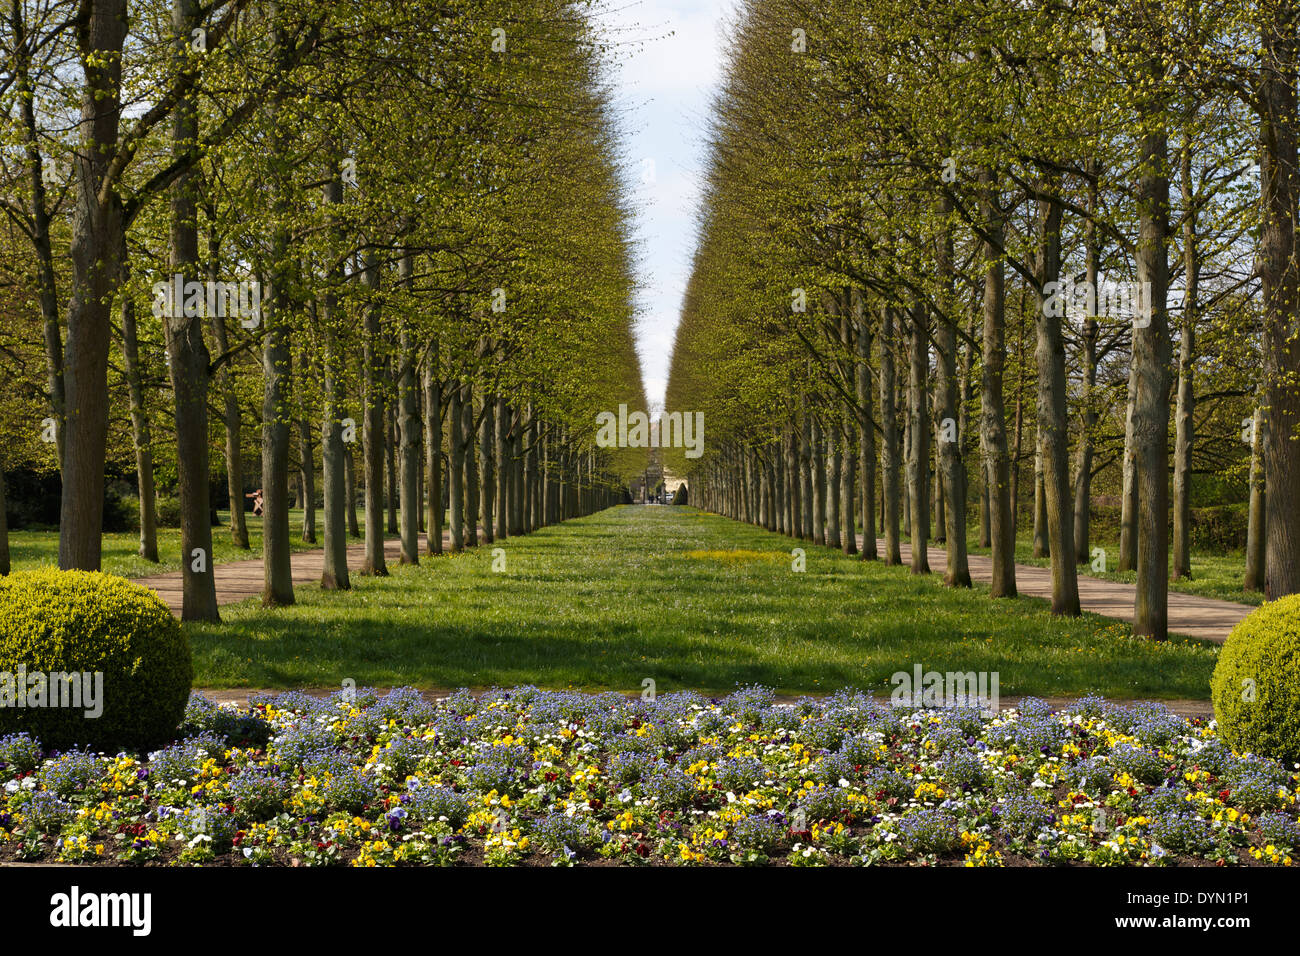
[{"x": 550, "y": 778}]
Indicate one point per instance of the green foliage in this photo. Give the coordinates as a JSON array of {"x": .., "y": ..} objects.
[
  {"x": 840, "y": 170},
  {"x": 54, "y": 622},
  {"x": 464, "y": 150},
  {"x": 169, "y": 513},
  {"x": 121, "y": 510},
  {"x": 1220, "y": 528},
  {"x": 1214, "y": 528},
  {"x": 1256, "y": 684}
]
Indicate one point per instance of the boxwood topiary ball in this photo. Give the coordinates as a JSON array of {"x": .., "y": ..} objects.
[
  {"x": 63, "y": 622},
  {"x": 1256, "y": 683}
]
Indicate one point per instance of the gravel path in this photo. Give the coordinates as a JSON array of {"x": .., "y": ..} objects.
[
  {"x": 1189, "y": 614},
  {"x": 240, "y": 580}
]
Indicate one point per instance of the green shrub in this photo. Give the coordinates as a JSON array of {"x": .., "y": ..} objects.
[
  {"x": 1256, "y": 683},
  {"x": 1215, "y": 529},
  {"x": 56, "y": 622},
  {"x": 167, "y": 512},
  {"x": 121, "y": 508},
  {"x": 1220, "y": 529}
]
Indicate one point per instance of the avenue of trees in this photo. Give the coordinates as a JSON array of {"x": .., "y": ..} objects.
[
  {"x": 945, "y": 245},
  {"x": 399, "y": 231}
]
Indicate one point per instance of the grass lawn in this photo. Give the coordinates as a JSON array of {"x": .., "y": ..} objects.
[
  {"x": 33, "y": 549},
  {"x": 686, "y": 599},
  {"x": 1213, "y": 575}
]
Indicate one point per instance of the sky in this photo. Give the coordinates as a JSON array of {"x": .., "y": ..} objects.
[{"x": 669, "y": 60}]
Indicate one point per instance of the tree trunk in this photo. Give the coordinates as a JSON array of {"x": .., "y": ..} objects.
[
  {"x": 307, "y": 480},
  {"x": 501, "y": 439},
  {"x": 190, "y": 359},
  {"x": 993, "y": 428},
  {"x": 516, "y": 468},
  {"x": 1054, "y": 421},
  {"x": 792, "y": 481},
  {"x": 551, "y": 478},
  {"x": 1042, "y": 548},
  {"x": 1084, "y": 453},
  {"x": 848, "y": 487},
  {"x": 834, "y": 459},
  {"x": 807, "y": 494},
  {"x": 231, "y": 417},
  {"x": 866, "y": 429},
  {"x": 781, "y": 517},
  {"x": 817, "y": 447},
  {"x": 544, "y": 476},
  {"x": 456, "y": 469},
  {"x": 1018, "y": 439},
  {"x": 1151, "y": 357},
  {"x": 905, "y": 405},
  {"x": 276, "y": 374},
  {"x": 1279, "y": 269},
  {"x": 409, "y": 427},
  {"x": 1186, "y": 394},
  {"x": 952, "y": 464},
  {"x": 141, "y": 436},
  {"x": 334, "y": 576},
  {"x": 562, "y": 477},
  {"x": 46, "y": 283},
  {"x": 350, "y": 490},
  {"x": 1128, "y": 533},
  {"x": 471, "y": 467},
  {"x": 1091, "y": 328},
  {"x": 1256, "y": 537},
  {"x": 97, "y": 239},
  {"x": 890, "y": 458},
  {"x": 938, "y": 500},
  {"x": 392, "y": 493},
  {"x": 433, "y": 451},
  {"x": 533, "y": 515},
  {"x": 964, "y": 430},
  {"x": 487, "y": 468},
  {"x": 918, "y": 463},
  {"x": 373, "y": 421}
]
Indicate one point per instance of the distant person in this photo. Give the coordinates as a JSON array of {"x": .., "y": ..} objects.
[{"x": 257, "y": 501}]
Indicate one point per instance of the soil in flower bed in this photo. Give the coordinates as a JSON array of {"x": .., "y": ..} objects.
[{"x": 525, "y": 777}]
